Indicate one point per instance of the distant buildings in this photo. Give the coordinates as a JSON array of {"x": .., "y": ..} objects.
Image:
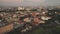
[{"x": 20, "y": 8}]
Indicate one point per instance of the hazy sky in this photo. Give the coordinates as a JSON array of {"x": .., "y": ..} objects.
[{"x": 29, "y": 2}]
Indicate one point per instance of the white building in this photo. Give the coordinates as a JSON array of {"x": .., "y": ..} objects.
[{"x": 20, "y": 8}]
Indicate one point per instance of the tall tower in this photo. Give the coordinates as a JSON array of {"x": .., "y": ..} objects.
[{"x": 21, "y": 2}]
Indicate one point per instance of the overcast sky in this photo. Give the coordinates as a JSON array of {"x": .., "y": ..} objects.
[{"x": 29, "y": 2}]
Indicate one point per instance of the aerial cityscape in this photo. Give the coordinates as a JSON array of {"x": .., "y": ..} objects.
[{"x": 29, "y": 16}]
